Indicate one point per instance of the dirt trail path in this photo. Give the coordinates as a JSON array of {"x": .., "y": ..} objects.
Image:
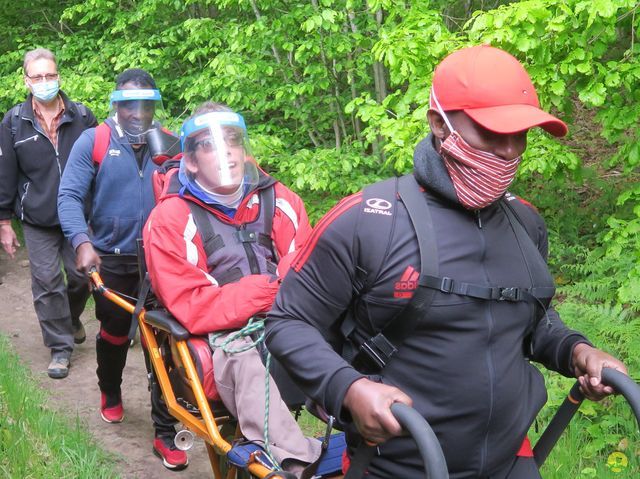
[{"x": 78, "y": 394}]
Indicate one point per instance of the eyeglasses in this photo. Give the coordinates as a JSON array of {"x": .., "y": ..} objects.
[
  {"x": 208, "y": 144},
  {"x": 41, "y": 78}
]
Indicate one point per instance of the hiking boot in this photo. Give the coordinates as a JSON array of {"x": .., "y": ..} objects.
[
  {"x": 111, "y": 409},
  {"x": 58, "y": 367},
  {"x": 172, "y": 457},
  {"x": 79, "y": 334}
]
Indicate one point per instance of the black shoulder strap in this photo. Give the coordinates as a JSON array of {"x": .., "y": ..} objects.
[
  {"x": 375, "y": 217},
  {"x": 516, "y": 207},
  {"x": 268, "y": 204},
  {"x": 376, "y": 352},
  {"x": 267, "y": 207},
  {"x": 210, "y": 240},
  {"x": 526, "y": 232},
  {"x": 14, "y": 117},
  {"x": 81, "y": 108}
]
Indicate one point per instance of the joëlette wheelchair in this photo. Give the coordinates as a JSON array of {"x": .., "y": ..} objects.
[{"x": 183, "y": 367}]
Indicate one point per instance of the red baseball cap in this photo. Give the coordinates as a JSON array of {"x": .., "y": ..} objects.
[{"x": 494, "y": 89}]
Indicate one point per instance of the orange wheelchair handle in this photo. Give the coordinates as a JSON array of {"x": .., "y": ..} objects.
[{"x": 99, "y": 286}]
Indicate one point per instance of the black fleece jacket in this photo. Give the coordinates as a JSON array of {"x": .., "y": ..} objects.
[
  {"x": 30, "y": 166},
  {"x": 463, "y": 365}
]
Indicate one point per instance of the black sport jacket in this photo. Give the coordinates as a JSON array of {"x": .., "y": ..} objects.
[
  {"x": 463, "y": 366},
  {"x": 30, "y": 167}
]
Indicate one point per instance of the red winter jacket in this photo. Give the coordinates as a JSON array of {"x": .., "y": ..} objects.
[{"x": 177, "y": 262}]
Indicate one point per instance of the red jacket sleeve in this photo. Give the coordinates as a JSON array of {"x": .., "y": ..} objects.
[{"x": 291, "y": 228}]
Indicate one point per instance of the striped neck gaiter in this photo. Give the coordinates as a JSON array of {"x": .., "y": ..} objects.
[{"x": 479, "y": 178}]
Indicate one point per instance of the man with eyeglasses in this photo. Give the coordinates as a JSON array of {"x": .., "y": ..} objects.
[
  {"x": 36, "y": 137},
  {"x": 118, "y": 183}
]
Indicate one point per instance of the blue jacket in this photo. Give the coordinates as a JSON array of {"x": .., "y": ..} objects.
[{"x": 120, "y": 195}]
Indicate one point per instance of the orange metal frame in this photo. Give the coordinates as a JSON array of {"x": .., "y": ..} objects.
[{"x": 206, "y": 427}]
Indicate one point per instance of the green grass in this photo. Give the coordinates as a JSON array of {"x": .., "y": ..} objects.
[
  {"x": 35, "y": 442},
  {"x": 572, "y": 456},
  {"x": 311, "y": 426}
]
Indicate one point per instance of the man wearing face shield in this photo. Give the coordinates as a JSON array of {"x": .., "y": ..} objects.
[
  {"x": 480, "y": 275},
  {"x": 36, "y": 137},
  {"x": 212, "y": 246},
  {"x": 118, "y": 185}
]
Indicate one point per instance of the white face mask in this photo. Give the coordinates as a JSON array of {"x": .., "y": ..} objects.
[{"x": 45, "y": 91}]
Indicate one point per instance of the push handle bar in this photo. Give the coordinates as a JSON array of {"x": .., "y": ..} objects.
[
  {"x": 435, "y": 466},
  {"x": 621, "y": 384}
]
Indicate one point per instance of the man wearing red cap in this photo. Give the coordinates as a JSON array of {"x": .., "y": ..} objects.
[{"x": 436, "y": 288}]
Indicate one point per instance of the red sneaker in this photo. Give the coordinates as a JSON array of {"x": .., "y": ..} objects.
[
  {"x": 111, "y": 409},
  {"x": 172, "y": 457}
]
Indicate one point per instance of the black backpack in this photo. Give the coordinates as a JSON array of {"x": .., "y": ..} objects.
[
  {"x": 15, "y": 115},
  {"x": 370, "y": 355}
]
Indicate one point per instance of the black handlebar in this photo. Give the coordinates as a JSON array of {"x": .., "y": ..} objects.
[
  {"x": 434, "y": 463},
  {"x": 433, "y": 457},
  {"x": 624, "y": 385},
  {"x": 621, "y": 383}
]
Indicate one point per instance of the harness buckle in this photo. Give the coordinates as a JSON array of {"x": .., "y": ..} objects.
[
  {"x": 374, "y": 353},
  {"x": 510, "y": 294},
  {"x": 246, "y": 236},
  {"x": 446, "y": 285}
]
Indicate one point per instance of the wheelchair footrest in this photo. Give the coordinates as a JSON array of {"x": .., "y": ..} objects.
[
  {"x": 241, "y": 452},
  {"x": 330, "y": 464},
  {"x": 331, "y": 461}
]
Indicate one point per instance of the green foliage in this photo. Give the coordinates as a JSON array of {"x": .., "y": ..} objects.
[
  {"x": 623, "y": 244},
  {"x": 33, "y": 441},
  {"x": 322, "y": 175}
]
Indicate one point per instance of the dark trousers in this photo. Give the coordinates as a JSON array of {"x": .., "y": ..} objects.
[
  {"x": 120, "y": 273},
  {"x": 58, "y": 303}
]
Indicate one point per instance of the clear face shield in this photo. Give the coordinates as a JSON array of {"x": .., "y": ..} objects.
[
  {"x": 136, "y": 112},
  {"x": 217, "y": 156}
]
